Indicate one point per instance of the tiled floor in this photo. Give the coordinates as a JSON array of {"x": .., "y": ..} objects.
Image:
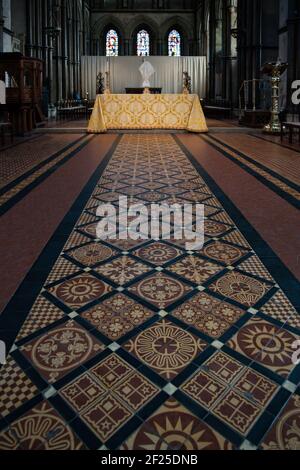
[{"x": 143, "y": 345}]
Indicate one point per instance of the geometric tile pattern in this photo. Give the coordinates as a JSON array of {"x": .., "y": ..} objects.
[
  {"x": 42, "y": 314},
  {"x": 123, "y": 325},
  {"x": 16, "y": 388}
]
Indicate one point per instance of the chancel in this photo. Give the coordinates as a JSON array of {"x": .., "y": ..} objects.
[{"x": 149, "y": 236}]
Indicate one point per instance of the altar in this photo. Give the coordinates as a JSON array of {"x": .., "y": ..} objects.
[{"x": 132, "y": 112}]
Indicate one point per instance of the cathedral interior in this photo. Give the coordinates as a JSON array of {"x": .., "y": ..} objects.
[{"x": 146, "y": 342}]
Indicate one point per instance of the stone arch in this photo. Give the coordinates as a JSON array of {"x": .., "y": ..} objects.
[
  {"x": 102, "y": 26},
  {"x": 185, "y": 30},
  {"x": 139, "y": 23}
]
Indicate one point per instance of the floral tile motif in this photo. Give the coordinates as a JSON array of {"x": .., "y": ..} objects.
[
  {"x": 209, "y": 315},
  {"x": 243, "y": 289},
  {"x": 195, "y": 196},
  {"x": 151, "y": 185},
  {"x": 117, "y": 316},
  {"x": 238, "y": 412},
  {"x": 214, "y": 229},
  {"x": 267, "y": 344},
  {"x": 123, "y": 270},
  {"x": 62, "y": 268},
  {"x": 173, "y": 427},
  {"x": 92, "y": 254},
  {"x": 41, "y": 428},
  {"x": 195, "y": 269},
  {"x": 80, "y": 290},
  {"x": 204, "y": 389},
  {"x": 224, "y": 367},
  {"x": 284, "y": 434},
  {"x": 42, "y": 314},
  {"x": 90, "y": 230},
  {"x": 61, "y": 350},
  {"x": 152, "y": 196},
  {"x": 16, "y": 388},
  {"x": 160, "y": 290},
  {"x": 126, "y": 245},
  {"x": 224, "y": 253},
  {"x": 165, "y": 348},
  {"x": 158, "y": 253},
  {"x": 280, "y": 308},
  {"x": 257, "y": 387}
]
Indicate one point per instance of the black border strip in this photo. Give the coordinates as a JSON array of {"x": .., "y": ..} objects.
[
  {"x": 282, "y": 275},
  {"x": 280, "y": 192},
  {"x": 40, "y": 179},
  {"x": 15, "y": 313}
]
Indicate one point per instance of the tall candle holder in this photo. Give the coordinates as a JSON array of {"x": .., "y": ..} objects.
[
  {"x": 274, "y": 70},
  {"x": 107, "y": 90}
]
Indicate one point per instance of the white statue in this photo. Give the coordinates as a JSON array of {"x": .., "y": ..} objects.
[{"x": 147, "y": 71}]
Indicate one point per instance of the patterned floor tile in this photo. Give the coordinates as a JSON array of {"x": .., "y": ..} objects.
[
  {"x": 172, "y": 427},
  {"x": 237, "y": 239},
  {"x": 224, "y": 367},
  {"x": 165, "y": 348},
  {"x": 208, "y": 315},
  {"x": 243, "y": 289},
  {"x": 42, "y": 314},
  {"x": 255, "y": 267},
  {"x": 281, "y": 309},
  {"x": 284, "y": 434},
  {"x": 16, "y": 388},
  {"x": 117, "y": 316},
  {"x": 204, "y": 389},
  {"x": 123, "y": 270},
  {"x": 90, "y": 230},
  {"x": 214, "y": 229},
  {"x": 267, "y": 344},
  {"x": 109, "y": 395},
  {"x": 41, "y": 428},
  {"x": 92, "y": 254},
  {"x": 224, "y": 253},
  {"x": 126, "y": 245},
  {"x": 76, "y": 239},
  {"x": 61, "y": 350},
  {"x": 62, "y": 268},
  {"x": 160, "y": 290},
  {"x": 158, "y": 253},
  {"x": 238, "y": 412},
  {"x": 195, "y": 269},
  {"x": 80, "y": 291},
  {"x": 256, "y": 387}
]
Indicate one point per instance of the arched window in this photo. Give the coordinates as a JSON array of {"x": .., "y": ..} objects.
[
  {"x": 112, "y": 43},
  {"x": 143, "y": 43},
  {"x": 174, "y": 44}
]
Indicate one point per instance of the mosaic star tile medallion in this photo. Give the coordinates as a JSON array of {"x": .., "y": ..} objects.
[
  {"x": 41, "y": 428},
  {"x": 123, "y": 270},
  {"x": 214, "y": 229},
  {"x": 284, "y": 434},
  {"x": 267, "y": 344},
  {"x": 224, "y": 253},
  {"x": 59, "y": 351},
  {"x": 92, "y": 254},
  {"x": 80, "y": 290},
  {"x": 16, "y": 388},
  {"x": 195, "y": 269},
  {"x": 165, "y": 348},
  {"x": 209, "y": 315},
  {"x": 243, "y": 289},
  {"x": 158, "y": 253},
  {"x": 160, "y": 290},
  {"x": 173, "y": 427},
  {"x": 117, "y": 316}
]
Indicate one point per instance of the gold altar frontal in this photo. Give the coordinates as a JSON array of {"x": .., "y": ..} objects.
[{"x": 166, "y": 111}]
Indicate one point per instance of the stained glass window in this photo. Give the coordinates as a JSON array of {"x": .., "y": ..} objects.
[
  {"x": 174, "y": 44},
  {"x": 143, "y": 43},
  {"x": 112, "y": 43}
]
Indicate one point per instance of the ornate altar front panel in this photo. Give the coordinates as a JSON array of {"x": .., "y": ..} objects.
[{"x": 182, "y": 112}]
